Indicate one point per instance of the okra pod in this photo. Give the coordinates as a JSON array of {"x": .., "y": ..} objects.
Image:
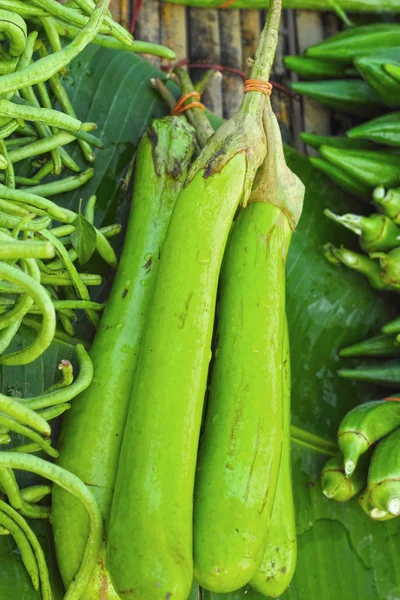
[
  {"x": 382, "y": 130},
  {"x": 336, "y": 484},
  {"x": 358, "y": 262},
  {"x": 379, "y": 345},
  {"x": 313, "y": 68},
  {"x": 334, "y": 141},
  {"x": 389, "y": 202},
  {"x": 341, "y": 178},
  {"x": 382, "y": 373},
  {"x": 384, "y": 475},
  {"x": 365, "y": 425},
  {"x": 374, "y": 73},
  {"x": 373, "y": 513}
]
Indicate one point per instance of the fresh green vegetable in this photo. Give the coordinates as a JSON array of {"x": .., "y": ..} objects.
[
  {"x": 313, "y": 68},
  {"x": 393, "y": 70},
  {"x": 365, "y": 425},
  {"x": 382, "y": 373},
  {"x": 279, "y": 562},
  {"x": 377, "y": 232},
  {"x": 357, "y": 43},
  {"x": 162, "y": 161},
  {"x": 373, "y": 513},
  {"x": 392, "y": 327},
  {"x": 337, "y": 484},
  {"x": 379, "y": 345},
  {"x": 358, "y": 262},
  {"x": 241, "y": 443},
  {"x": 389, "y": 202},
  {"x": 390, "y": 267},
  {"x": 369, "y": 167},
  {"x": 383, "y": 476},
  {"x": 352, "y": 96},
  {"x": 342, "y": 178},
  {"x": 383, "y": 130},
  {"x": 386, "y": 87},
  {"x": 334, "y": 141},
  {"x": 157, "y": 494}
]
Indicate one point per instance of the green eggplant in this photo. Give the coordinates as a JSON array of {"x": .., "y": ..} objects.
[
  {"x": 336, "y": 485},
  {"x": 313, "y": 68},
  {"x": 352, "y": 96},
  {"x": 358, "y": 262},
  {"x": 370, "y": 167},
  {"x": 341, "y": 178},
  {"x": 373, "y": 513},
  {"x": 386, "y": 374},
  {"x": 382, "y": 130},
  {"x": 393, "y": 70},
  {"x": 386, "y": 86},
  {"x": 384, "y": 475},
  {"x": 379, "y": 345},
  {"x": 392, "y": 327},
  {"x": 377, "y": 232},
  {"x": 363, "y": 426},
  {"x": 334, "y": 141},
  {"x": 362, "y": 41}
]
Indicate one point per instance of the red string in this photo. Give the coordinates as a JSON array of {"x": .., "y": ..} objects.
[
  {"x": 226, "y": 4},
  {"x": 392, "y": 399},
  {"x": 225, "y": 69},
  {"x": 258, "y": 85},
  {"x": 181, "y": 107},
  {"x": 138, "y": 6}
]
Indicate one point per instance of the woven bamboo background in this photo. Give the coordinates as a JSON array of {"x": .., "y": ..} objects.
[{"x": 229, "y": 38}]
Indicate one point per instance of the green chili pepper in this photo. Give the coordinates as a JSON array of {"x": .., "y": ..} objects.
[
  {"x": 369, "y": 167},
  {"x": 377, "y": 232},
  {"x": 361, "y": 41},
  {"x": 365, "y": 425},
  {"x": 341, "y": 178},
  {"x": 358, "y": 262},
  {"x": 384, "y": 475},
  {"x": 386, "y": 87},
  {"x": 382, "y": 373},
  {"x": 383, "y": 130},
  {"x": 373, "y": 513},
  {"x": 313, "y": 68},
  {"x": 336, "y": 484},
  {"x": 352, "y": 96},
  {"x": 334, "y": 141},
  {"x": 379, "y": 345}
]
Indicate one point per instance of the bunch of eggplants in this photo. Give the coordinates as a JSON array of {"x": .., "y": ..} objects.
[{"x": 357, "y": 72}]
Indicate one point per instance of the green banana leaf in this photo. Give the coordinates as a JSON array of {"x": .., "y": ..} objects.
[{"x": 341, "y": 553}]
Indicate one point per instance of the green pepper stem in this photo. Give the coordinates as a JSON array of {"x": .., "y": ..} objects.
[{"x": 352, "y": 222}]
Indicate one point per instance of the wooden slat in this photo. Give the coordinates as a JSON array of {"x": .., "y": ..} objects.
[
  {"x": 251, "y": 30},
  {"x": 310, "y": 31},
  {"x": 148, "y": 27},
  {"x": 205, "y": 47},
  {"x": 231, "y": 56},
  {"x": 174, "y": 30}
]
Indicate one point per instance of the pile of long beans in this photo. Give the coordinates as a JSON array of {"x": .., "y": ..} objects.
[
  {"x": 365, "y": 163},
  {"x": 40, "y": 245}
]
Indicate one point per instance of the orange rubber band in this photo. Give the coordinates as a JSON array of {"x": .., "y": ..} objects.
[
  {"x": 392, "y": 399},
  {"x": 258, "y": 85},
  {"x": 226, "y": 4},
  {"x": 181, "y": 107}
]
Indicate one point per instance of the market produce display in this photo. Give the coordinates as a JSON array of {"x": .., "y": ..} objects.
[{"x": 172, "y": 472}]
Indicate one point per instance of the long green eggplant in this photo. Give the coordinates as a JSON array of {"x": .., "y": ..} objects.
[
  {"x": 240, "y": 450},
  {"x": 92, "y": 431},
  {"x": 279, "y": 561},
  {"x": 150, "y": 538}
]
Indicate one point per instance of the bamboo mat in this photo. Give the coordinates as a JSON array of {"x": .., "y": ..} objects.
[{"x": 228, "y": 38}]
